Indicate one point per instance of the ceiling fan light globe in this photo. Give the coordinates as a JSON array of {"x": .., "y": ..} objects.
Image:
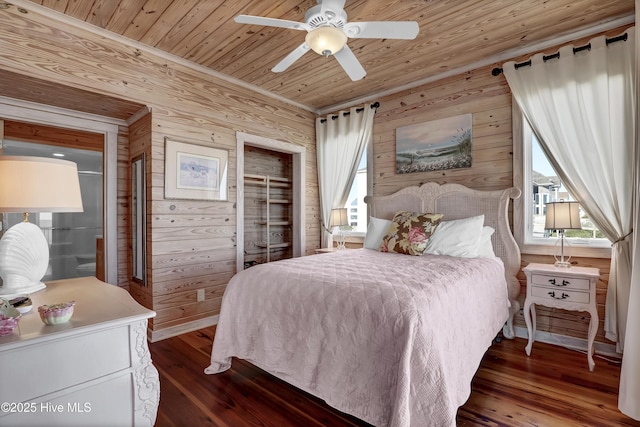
[{"x": 326, "y": 40}]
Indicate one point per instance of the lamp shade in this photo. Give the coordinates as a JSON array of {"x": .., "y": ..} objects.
[
  {"x": 326, "y": 40},
  {"x": 38, "y": 184},
  {"x": 339, "y": 217},
  {"x": 563, "y": 216}
]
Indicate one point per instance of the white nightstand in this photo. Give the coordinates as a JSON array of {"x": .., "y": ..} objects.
[{"x": 572, "y": 288}]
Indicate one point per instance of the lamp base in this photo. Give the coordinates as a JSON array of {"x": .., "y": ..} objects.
[
  {"x": 562, "y": 264},
  {"x": 24, "y": 258},
  {"x": 9, "y": 293},
  {"x": 340, "y": 246}
]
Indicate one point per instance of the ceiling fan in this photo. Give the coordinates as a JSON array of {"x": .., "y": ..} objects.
[{"x": 327, "y": 33}]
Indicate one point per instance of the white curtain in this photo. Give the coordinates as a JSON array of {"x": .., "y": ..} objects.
[
  {"x": 340, "y": 142},
  {"x": 582, "y": 107},
  {"x": 629, "y": 396}
]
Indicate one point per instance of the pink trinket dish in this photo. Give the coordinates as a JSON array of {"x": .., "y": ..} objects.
[
  {"x": 54, "y": 314},
  {"x": 9, "y": 318}
]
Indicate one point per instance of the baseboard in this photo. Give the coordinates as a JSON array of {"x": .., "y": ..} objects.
[
  {"x": 162, "y": 334},
  {"x": 573, "y": 343}
]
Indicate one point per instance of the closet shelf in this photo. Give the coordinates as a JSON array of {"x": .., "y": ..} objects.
[
  {"x": 275, "y": 222},
  {"x": 276, "y": 201},
  {"x": 274, "y": 245},
  {"x": 252, "y": 179},
  {"x": 269, "y": 183}
]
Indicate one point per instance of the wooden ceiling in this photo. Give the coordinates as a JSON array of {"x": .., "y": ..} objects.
[{"x": 454, "y": 36}]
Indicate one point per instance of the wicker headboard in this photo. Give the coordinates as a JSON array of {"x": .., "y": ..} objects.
[{"x": 456, "y": 201}]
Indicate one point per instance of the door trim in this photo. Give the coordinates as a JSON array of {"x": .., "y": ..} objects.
[{"x": 298, "y": 157}]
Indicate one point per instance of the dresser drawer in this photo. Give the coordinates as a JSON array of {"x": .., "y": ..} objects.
[
  {"x": 32, "y": 371},
  {"x": 560, "y": 282},
  {"x": 560, "y": 295}
]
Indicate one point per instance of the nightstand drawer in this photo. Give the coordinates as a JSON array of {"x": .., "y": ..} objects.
[
  {"x": 560, "y": 282},
  {"x": 560, "y": 295}
]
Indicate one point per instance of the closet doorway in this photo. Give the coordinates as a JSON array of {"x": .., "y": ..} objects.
[{"x": 270, "y": 200}]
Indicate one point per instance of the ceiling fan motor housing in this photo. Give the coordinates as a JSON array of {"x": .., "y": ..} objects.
[{"x": 335, "y": 18}]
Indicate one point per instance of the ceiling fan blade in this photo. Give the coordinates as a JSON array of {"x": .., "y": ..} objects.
[
  {"x": 350, "y": 63},
  {"x": 291, "y": 58},
  {"x": 271, "y": 22},
  {"x": 405, "y": 30}
]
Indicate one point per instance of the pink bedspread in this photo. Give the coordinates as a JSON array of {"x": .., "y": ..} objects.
[{"x": 392, "y": 339}]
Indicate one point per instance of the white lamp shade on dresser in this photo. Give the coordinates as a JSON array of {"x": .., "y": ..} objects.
[
  {"x": 32, "y": 185},
  {"x": 38, "y": 184}
]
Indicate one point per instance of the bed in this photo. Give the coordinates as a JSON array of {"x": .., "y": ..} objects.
[{"x": 392, "y": 339}]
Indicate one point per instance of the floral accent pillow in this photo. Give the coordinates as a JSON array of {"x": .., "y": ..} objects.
[{"x": 409, "y": 232}]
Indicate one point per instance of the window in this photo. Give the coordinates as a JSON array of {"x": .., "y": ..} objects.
[
  {"x": 355, "y": 202},
  {"x": 540, "y": 185}
]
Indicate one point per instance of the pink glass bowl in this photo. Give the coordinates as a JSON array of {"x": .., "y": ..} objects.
[
  {"x": 54, "y": 314},
  {"x": 7, "y": 324}
]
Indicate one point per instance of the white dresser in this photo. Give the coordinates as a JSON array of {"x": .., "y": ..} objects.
[{"x": 94, "y": 370}]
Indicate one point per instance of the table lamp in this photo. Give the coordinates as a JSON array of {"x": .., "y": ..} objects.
[
  {"x": 562, "y": 216},
  {"x": 32, "y": 185},
  {"x": 339, "y": 219}
]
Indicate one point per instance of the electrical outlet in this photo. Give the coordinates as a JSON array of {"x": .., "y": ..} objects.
[{"x": 200, "y": 293}]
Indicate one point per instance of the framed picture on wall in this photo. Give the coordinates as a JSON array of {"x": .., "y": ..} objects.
[
  {"x": 434, "y": 145},
  {"x": 195, "y": 172}
]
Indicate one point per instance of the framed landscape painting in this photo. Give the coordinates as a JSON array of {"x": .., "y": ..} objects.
[
  {"x": 195, "y": 172},
  {"x": 434, "y": 145}
]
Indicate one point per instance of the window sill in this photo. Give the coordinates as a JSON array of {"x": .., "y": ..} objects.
[
  {"x": 579, "y": 251},
  {"x": 354, "y": 237}
]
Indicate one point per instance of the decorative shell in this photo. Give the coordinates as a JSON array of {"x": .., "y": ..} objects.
[{"x": 24, "y": 256}]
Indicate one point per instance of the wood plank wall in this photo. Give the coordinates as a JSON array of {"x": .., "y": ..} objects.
[
  {"x": 488, "y": 98},
  {"x": 192, "y": 243}
]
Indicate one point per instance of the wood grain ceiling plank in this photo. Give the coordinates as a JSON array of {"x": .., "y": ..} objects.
[
  {"x": 146, "y": 17},
  {"x": 261, "y": 54},
  {"x": 199, "y": 39},
  {"x": 243, "y": 37},
  {"x": 122, "y": 16},
  {"x": 513, "y": 34},
  {"x": 79, "y": 9},
  {"x": 170, "y": 18},
  {"x": 101, "y": 12},
  {"x": 57, "y": 5}
]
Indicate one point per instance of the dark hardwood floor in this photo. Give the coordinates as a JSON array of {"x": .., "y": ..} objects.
[{"x": 551, "y": 388}]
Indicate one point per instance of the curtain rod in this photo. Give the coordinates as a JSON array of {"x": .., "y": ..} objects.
[
  {"x": 346, "y": 113},
  {"x": 623, "y": 37}
]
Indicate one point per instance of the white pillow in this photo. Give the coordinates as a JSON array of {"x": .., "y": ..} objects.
[
  {"x": 485, "y": 247},
  {"x": 458, "y": 237},
  {"x": 376, "y": 230}
]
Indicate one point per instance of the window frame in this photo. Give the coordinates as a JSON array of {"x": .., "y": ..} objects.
[{"x": 522, "y": 206}]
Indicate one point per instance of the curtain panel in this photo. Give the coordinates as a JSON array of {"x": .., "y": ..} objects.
[
  {"x": 340, "y": 142},
  {"x": 582, "y": 107}
]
